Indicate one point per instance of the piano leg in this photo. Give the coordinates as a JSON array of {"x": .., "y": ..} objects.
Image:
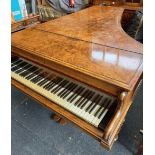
[
  {"x": 55, "y": 117},
  {"x": 63, "y": 121},
  {"x": 59, "y": 119}
]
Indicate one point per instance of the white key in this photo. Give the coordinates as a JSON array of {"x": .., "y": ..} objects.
[
  {"x": 93, "y": 112},
  {"x": 96, "y": 118},
  {"x": 41, "y": 80},
  {"x": 104, "y": 113},
  {"x": 99, "y": 120},
  {"x": 84, "y": 108}
]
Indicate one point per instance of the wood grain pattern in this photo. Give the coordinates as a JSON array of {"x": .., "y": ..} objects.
[
  {"x": 97, "y": 24},
  {"x": 75, "y": 51},
  {"x": 89, "y": 46}
]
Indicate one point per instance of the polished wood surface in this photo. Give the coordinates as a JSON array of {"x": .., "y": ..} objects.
[
  {"x": 90, "y": 47},
  {"x": 97, "y": 24}
]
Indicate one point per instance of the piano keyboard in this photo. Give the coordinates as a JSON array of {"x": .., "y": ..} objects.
[{"x": 80, "y": 99}]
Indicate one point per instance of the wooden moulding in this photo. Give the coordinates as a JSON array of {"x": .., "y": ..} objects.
[{"x": 93, "y": 131}]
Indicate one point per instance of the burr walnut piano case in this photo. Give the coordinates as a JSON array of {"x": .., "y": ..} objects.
[{"x": 89, "y": 46}]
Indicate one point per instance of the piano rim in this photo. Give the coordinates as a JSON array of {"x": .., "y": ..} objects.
[{"x": 96, "y": 133}]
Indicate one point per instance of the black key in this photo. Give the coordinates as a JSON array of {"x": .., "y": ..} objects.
[
  {"x": 102, "y": 103},
  {"x": 24, "y": 69},
  {"x": 21, "y": 69},
  {"x": 90, "y": 95},
  {"x": 58, "y": 86},
  {"x": 14, "y": 58},
  {"x": 93, "y": 100},
  {"x": 48, "y": 83},
  {"x": 88, "y": 99},
  {"x": 48, "y": 78},
  {"x": 33, "y": 74},
  {"x": 40, "y": 77},
  {"x": 61, "y": 94},
  {"x": 15, "y": 67},
  {"x": 28, "y": 71},
  {"x": 41, "y": 83},
  {"x": 104, "y": 122},
  {"x": 16, "y": 63},
  {"x": 18, "y": 66},
  {"x": 71, "y": 89},
  {"x": 53, "y": 83},
  {"x": 61, "y": 85},
  {"x": 107, "y": 106},
  {"x": 65, "y": 87},
  {"x": 74, "y": 94},
  {"x": 80, "y": 90},
  {"x": 97, "y": 101},
  {"x": 67, "y": 92},
  {"x": 37, "y": 78},
  {"x": 82, "y": 96}
]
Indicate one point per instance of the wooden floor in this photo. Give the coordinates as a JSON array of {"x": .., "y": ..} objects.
[{"x": 34, "y": 133}]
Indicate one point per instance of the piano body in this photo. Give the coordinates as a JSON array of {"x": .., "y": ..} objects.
[{"x": 82, "y": 66}]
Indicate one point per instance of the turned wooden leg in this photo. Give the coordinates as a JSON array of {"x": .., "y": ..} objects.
[
  {"x": 63, "y": 121},
  {"x": 56, "y": 117},
  {"x": 59, "y": 119}
]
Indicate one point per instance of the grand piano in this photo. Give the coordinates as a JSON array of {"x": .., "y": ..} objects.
[{"x": 82, "y": 66}]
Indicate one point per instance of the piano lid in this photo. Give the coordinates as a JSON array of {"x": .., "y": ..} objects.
[
  {"x": 113, "y": 65},
  {"x": 97, "y": 24}
]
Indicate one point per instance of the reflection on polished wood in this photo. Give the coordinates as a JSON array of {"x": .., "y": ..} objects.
[
  {"x": 98, "y": 61},
  {"x": 89, "y": 46},
  {"x": 98, "y": 24}
]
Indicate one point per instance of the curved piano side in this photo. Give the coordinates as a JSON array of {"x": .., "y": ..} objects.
[
  {"x": 112, "y": 129},
  {"x": 125, "y": 99}
]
